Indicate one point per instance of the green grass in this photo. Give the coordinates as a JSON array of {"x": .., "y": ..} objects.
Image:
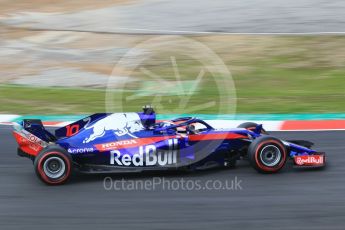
[
  {"x": 28, "y": 100},
  {"x": 271, "y": 75},
  {"x": 295, "y": 91}
]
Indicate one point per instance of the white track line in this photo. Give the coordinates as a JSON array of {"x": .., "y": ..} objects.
[
  {"x": 122, "y": 30},
  {"x": 231, "y": 33}
]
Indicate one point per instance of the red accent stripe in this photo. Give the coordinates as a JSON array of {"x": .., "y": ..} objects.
[
  {"x": 51, "y": 122},
  {"x": 215, "y": 136},
  {"x": 135, "y": 142},
  {"x": 310, "y": 125},
  {"x": 150, "y": 140}
]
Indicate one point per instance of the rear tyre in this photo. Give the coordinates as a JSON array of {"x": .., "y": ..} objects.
[
  {"x": 53, "y": 165},
  {"x": 251, "y": 126},
  {"x": 267, "y": 154}
]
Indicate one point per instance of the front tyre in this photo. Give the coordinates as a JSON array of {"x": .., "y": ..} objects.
[
  {"x": 53, "y": 165},
  {"x": 267, "y": 154}
]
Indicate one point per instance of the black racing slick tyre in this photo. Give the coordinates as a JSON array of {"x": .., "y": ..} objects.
[
  {"x": 53, "y": 165},
  {"x": 267, "y": 154},
  {"x": 251, "y": 126}
]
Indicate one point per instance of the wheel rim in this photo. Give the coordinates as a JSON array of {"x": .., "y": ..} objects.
[
  {"x": 54, "y": 167},
  {"x": 270, "y": 155}
]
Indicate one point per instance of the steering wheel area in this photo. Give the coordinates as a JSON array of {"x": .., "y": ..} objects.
[
  {"x": 190, "y": 129},
  {"x": 183, "y": 126},
  {"x": 162, "y": 125},
  {"x": 189, "y": 125}
]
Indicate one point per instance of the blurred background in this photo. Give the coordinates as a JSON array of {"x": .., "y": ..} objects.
[{"x": 58, "y": 57}]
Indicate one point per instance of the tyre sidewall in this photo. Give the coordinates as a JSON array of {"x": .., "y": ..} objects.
[
  {"x": 254, "y": 152},
  {"x": 53, "y": 151}
]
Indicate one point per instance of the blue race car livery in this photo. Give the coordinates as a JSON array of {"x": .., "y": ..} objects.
[{"x": 135, "y": 142}]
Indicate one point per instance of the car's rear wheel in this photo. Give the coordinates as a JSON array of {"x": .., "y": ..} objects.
[
  {"x": 251, "y": 126},
  {"x": 53, "y": 165},
  {"x": 267, "y": 154}
]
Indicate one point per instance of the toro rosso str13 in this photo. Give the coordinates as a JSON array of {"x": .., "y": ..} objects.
[{"x": 135, "y": 142}]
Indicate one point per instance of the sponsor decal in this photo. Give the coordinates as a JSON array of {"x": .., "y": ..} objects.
[
  {"x": 72, "y": 130},
  {"x": 130, "y": 143},
  {"x": 117, "y": 145},
  {"x": 81, "y": 150},
  {"x": 29, "y": 143},
  {"x": 120, "y": 123},
  {"x": 32, "y": 138},
  {"x": 309, "y": 160},
  {"x": 146, "y": 156}
]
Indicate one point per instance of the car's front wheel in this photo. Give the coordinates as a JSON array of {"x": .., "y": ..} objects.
[
  {"x": 53, "y": 165},
  {"x": 267, "y": 154}
]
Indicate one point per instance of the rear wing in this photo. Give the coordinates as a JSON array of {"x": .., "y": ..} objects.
[
  {"x": 35, "y": 127},
  {"x": 32, "y": 137}
]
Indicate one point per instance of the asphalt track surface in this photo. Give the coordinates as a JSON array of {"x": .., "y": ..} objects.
[{"x": 292, "y": 199}]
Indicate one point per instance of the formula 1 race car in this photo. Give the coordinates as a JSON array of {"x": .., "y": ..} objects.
[{"x": 135, "y": 142}]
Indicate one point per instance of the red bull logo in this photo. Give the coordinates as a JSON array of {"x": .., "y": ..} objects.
[
  {"x": 146, "y": 156},
  {"x": 309, "y": 160}
]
